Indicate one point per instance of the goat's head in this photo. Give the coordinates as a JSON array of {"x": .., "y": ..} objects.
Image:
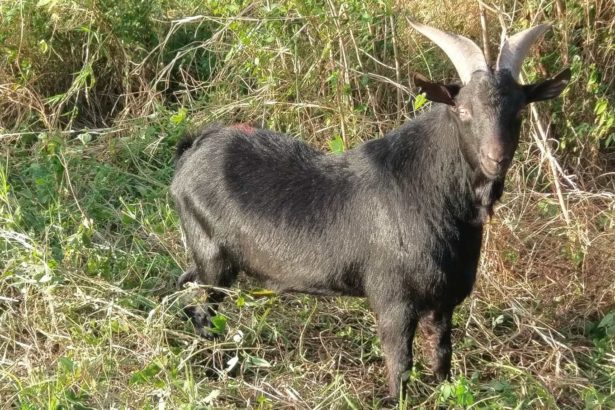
[{"x": 489, "y": 104}]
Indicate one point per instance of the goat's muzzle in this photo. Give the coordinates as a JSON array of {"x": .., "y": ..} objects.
[{"x": 494, "y": 161}]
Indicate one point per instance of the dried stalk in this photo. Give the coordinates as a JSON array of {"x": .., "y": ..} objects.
[
  {"x": 541, "y": 134},
  {"x": 485, "y": 37},
  {"x": 541, "y": 139}
]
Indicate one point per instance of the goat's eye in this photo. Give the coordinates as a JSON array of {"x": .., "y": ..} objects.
[{"x": 464, "y": 113}]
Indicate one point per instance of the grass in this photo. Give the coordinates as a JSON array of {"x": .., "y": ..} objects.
[{"x": 91, "y": 248}]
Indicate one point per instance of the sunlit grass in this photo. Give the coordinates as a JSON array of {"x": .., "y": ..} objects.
[{"x": 90, "y": 245}]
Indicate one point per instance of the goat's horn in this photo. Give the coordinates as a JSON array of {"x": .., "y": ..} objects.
[
  {"x": 515, "y": 48},
  {"x": 463, "y": 52}
]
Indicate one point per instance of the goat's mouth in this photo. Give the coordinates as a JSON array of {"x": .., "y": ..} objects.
[{"x": 493, "y": 169}]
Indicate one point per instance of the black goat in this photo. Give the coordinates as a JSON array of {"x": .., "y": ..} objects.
[{"x": 397, "y": 220}]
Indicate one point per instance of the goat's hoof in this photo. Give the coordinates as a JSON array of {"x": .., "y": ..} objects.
[
  {"x": 441, "y": 376},
  {"x": 201, "y": 320},
  {"x": 207, "y": 334},
  {"x": 389, "y": 402}
]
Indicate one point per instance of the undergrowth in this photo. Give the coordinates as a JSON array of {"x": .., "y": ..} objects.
[{"x": 95, "y": 94}]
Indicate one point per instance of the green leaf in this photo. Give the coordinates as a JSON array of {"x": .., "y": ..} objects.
[
  {"x": 601, "y": 106},
  {"x": 253, "y": 361},
  {"x": 463, "y": 393},
  {"x": 608, "y": 320},
  {"x": 43, "y": 47},
  {"x": 179, "y": 117},
  {"x": 333, "y": 78},
  {"x": 67, "y": 364},
  {"x": 446, "y": 391},
  {"x": 419, "y": 101},
  {"x": 219, "y": 323},
  {"x": 336, "y": 145},
  {"x": 143, "y": 376},
  {"x": 85, "y": 138},
  {"x": 364, "y": 80}
]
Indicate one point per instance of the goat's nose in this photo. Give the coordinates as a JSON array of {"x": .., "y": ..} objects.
[
  {"x": 497, "y": 158},
  {"x": 495, "y": 152}
]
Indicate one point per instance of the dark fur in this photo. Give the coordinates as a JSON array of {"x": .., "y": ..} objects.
[
  {"x": 397, "y": 220},
  {"x": 183, "y": 145}
]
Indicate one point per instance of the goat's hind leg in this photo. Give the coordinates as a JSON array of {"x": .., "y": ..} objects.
[
  {"x": 196, "y": 309},
  {"x": 213, "y": 269}
]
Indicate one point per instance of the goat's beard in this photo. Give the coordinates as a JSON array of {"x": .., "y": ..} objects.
[{"x": 486, "y": 192}]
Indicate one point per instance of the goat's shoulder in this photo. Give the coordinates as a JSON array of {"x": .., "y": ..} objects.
[{"x": 389, "y": 155}]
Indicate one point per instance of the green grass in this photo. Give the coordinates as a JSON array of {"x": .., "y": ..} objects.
[{"x": 91, "y": 248}]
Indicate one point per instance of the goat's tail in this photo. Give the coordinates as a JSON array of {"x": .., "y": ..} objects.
[
  {"x": 184, "y": 144},
  {"x": 188, "y": 140}
]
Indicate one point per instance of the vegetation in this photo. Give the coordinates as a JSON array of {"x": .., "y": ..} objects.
[{"x": 95, "y": 94}]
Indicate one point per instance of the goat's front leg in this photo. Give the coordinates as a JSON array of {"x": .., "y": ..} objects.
[
  {"x": 438, "y": 324},
  {"x": 397, "y": 325}
]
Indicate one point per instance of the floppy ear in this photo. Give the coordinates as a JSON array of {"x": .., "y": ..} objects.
[
  {"x": 436, "y": 92},
  {"x": 547, "y": 89}
]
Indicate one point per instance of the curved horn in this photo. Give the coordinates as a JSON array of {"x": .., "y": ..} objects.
[
  {"x": 465, "y": 55},
  {"x": 515, "y": 48}
]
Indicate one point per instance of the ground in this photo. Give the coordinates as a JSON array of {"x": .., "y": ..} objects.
[{"x": 90, "y": 243}]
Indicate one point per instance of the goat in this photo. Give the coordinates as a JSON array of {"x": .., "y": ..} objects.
[{"x": 397, "y": 220}]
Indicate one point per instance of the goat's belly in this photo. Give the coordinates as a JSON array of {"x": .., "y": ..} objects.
[
  {"x": 300, "y": 280},
  {"x": 320, "y": 278},
  {"x": 300, "y": 268},
  {"x": 314, "y": 289}
]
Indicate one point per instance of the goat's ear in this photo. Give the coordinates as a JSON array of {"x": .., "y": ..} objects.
[
  {"x": 547, "y": 89},
  {"x": 436, "y": 92}
]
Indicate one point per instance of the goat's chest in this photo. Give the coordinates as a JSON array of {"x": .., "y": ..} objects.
[
  {"x": 458, "y": 262},
  {"x": 440, "y": 262}
]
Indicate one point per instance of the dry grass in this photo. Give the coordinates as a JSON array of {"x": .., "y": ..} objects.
[{"x": 90, "y": 245}]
